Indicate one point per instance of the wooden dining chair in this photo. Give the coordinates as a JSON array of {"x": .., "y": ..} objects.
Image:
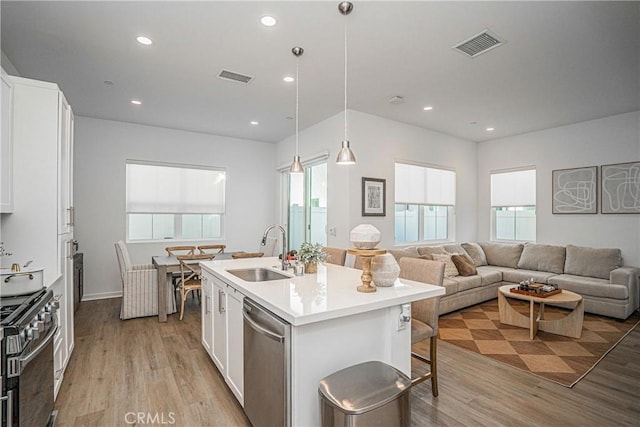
[
  {"x": 211, "y": 249},
  {"x": 190, "y": 276},
  {"x": 175, "y": 251},
  {"x": 180, "y": 250},
  {"x": 247, "y": 255},
  {"x": 424, "y": 313}
]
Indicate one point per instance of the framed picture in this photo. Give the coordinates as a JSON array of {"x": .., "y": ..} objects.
[
  {"x": 373, "y": 196},
  {"x": 574, "y": 191},
  {"x": 620, "y": 187}
]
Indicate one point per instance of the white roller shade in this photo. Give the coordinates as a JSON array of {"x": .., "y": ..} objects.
[
  {"x": 517, "y": 188},
  {"x": 174, "y": 189},
  {"x": 422, "y": 185}
]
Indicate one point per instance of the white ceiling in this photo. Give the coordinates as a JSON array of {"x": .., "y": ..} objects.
[{"x": 563, "y": 62}]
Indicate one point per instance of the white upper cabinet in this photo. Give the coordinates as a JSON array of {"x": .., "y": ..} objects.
[{"x": 6, "y": 156}]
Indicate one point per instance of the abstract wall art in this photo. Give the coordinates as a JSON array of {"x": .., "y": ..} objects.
[
  {"x": 575, "y": 190},
  {"x": 620, "y": 188}
]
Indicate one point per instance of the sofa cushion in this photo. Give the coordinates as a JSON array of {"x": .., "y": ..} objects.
[
  {"x": 518, "y": 275},
  {"x": 501, "y": 254},
  {"x": 540, "y": 257},
  {"x": 427, "y": 251},
  {"x": 489, "y": 275},
  {"x": 592, "y": 262},
  {"x": 476, "y": 253},
  {"x": 464, "y": 265},
  {"x": 590, "y": 286},
  {"x": 450, "y": 286},
  {"x": 411, "y": 251},
  {"x": 454, "y": 248},
  {"x": 469, "y": 282},
  {"x": 450, "y": 269}
]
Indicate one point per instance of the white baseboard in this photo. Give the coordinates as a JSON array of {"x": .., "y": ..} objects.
[{"x": 103, "y": 295}]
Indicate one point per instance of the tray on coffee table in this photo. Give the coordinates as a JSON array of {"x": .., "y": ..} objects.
[{"x": 540, "y": 294}]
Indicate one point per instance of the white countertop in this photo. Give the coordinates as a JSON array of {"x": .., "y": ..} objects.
[{"x": 329, "y": 294}]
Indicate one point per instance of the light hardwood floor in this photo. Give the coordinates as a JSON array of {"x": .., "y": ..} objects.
[{"x": 120, "y": 370}]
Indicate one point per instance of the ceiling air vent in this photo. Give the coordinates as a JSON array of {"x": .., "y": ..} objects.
[
  {"x": 236, "y": 77},
  {"x": 479, "y": 44}
]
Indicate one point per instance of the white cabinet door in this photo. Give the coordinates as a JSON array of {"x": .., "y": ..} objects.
[
  {"x": 207, "y": 314},
  {"x": 235, "y": 346},
  {"x": 65, "y": 166},
  {"x": 60, "y": 347},
  {"x": 219, "y": 325},
  {"x": 66, "y": 267},
  {"x": 6, "y": 156}
]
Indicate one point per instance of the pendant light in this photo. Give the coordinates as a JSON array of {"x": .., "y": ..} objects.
[
  {"x": 345, "y": 156},
  {"x": 296, "y": 166}
]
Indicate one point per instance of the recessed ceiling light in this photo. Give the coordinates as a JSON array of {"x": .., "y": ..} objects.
[
  {"x": 490, "y": 129},
  {"x": 254, "y": 123},
  {"x": 136, "y": 102},
  {"x": 268, "y": 21},
  {"x": 428, "y": 108},
  {"x": 288, "y": 79},
  {"x": 144, "y": 40}
]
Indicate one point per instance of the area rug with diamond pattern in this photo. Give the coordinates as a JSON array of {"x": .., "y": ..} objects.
[{"x": 557, "y": 358}]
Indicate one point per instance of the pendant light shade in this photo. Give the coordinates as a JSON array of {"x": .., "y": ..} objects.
[
  {"x": 296, "y": 165},
  {"x": 345, "y": 156}
]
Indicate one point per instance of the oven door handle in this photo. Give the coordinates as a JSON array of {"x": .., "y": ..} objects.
[{"x": 24, "y": 361}]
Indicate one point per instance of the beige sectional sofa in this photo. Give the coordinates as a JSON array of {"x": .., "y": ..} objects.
[{"x": 608, "y": 288}]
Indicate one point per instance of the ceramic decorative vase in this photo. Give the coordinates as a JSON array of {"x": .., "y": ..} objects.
[
  {"x": 365, "y": 236},
  {"x": 311, "y": 267},
  {"x": 384, "y": 270}
]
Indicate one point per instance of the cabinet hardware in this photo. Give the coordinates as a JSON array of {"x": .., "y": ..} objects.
[{"x": 221, "y": 308}]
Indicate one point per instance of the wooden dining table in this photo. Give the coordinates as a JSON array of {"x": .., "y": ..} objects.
[{"x": 167, "y": 265}]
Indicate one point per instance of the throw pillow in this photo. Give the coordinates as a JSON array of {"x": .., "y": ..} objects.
[
  {"x": 450, "y": 269},
  {"x": 476, "y": 253},
  {"x": 463, "y": 265}
]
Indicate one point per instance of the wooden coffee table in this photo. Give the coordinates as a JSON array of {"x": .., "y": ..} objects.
[{"x": 570, "y": 325}]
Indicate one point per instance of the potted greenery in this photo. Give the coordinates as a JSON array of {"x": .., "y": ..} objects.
[{"x": 311, "y": 254}]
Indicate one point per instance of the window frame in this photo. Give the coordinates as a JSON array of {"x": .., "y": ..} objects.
[
  {"x": 493, "y": 209},
  {"x": 177, "y": 217},
  {"x": 451, "y": 209}
]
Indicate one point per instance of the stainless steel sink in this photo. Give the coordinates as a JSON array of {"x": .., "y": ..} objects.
[{"x": 258, "y": 274}]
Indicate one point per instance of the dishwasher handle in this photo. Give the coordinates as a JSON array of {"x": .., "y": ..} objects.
[{"x": 267, "y": 333}]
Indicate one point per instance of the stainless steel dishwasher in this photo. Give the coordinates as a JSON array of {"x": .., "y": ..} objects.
[{"x": 267, "y": 367}]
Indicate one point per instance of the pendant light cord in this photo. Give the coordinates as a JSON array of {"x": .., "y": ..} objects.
[
  {"x": 345, "y": 77},
  {"x": 297, "y": 98}
]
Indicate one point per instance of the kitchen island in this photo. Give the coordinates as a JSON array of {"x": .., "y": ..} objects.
[{"x": 332, "y": 325}]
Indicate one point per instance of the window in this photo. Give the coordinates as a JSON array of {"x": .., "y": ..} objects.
[
  {"x": 307, "y": 207},
  {"x": 174, "y": 202},
  {"x": 513, "y": 205},
  {"x": 424, "y": 203}
]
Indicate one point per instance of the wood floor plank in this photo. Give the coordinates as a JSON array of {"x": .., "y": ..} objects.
[{"x": 120, "y": 368}]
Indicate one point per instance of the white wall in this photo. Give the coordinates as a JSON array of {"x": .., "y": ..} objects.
[
  {"x": 101, "y": 149},
  {"x": 604, "y": 141},
  {"x": 378, "y": 143},
  {"x": 8, "y": 65}
]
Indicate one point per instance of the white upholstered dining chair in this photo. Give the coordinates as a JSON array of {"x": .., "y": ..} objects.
[{"x": 140, "y": 287}]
